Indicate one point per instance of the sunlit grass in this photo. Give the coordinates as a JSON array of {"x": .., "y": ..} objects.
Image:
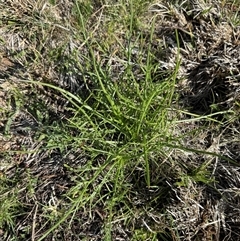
[{"x": 124, "y": 119}]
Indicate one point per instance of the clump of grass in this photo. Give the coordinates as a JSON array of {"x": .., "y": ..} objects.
[
  {"x": 118, "y": 154},
  {"x": 121, "y": 126},
  {"x": 10, "y": 207}
]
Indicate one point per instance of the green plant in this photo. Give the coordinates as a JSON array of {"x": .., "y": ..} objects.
[
  {"x": 126, "y": 123},
  {"x": 10, "y": 207},
  {"x": 115, "y": 147}
]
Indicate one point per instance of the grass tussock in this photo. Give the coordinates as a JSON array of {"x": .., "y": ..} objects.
[{"x": 119, "y": 120}]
